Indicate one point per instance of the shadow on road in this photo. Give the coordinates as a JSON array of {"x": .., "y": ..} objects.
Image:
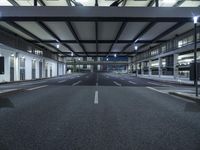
[
  {"x": 5, "y": 103},
  {"x": 192, "y": 107}
]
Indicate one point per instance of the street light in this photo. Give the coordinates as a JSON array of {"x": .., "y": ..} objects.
[{"x": 195, "y": 19}]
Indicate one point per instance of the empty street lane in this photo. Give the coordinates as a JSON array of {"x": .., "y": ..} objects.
[{"x": 97, "y": 111}]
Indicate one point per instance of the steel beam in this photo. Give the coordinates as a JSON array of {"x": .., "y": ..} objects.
[
  {"x": 49, "y": 31},
  {"x": 146, "y": 29},
  {"x": 123, "y": 14},
  {"x": 96, "y": 37},
  {"x": 165, "y": 33},
  {"x": 13, "y": 2},
  {"x": 71, "y": 28},
  {"x": 98, "y": 41},
  {"x": 23, "y": 30},
  {"x": 179, "y": 3},
  {"x": 121, "y": 29}
]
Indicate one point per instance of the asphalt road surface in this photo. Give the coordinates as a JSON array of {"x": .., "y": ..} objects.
[{"x": 97, "y": 111}]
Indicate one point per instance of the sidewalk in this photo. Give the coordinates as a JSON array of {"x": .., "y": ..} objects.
[
  {"x": 168, "y": 79},
  {"x": 187, "y": 95}
]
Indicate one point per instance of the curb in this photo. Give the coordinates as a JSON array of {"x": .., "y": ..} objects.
[
  {"x": 185, "y": 96},
  {"x": 12, "y": 92}
]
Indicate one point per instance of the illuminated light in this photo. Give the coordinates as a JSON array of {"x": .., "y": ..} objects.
[
  {"x": 23, "y": 57},
  {"x": 195, "y": 19},
  {"x": 107, "y": 59},
  {"x": 169, "y": 1},
  {"x": 136, "y": 47},
  {"x": 72, "y": 54},
  {"x": 12, "y": 55},
  {"x": 115, "y": 55},
  {"x": 0, "y": 55},
  {"x": 79, "y": 59},
  {"x": 58, "y": 45}
]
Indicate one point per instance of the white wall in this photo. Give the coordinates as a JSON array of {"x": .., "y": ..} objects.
[{"x": 7, "y": 52}]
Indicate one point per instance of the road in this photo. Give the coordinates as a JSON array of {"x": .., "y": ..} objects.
[{"x": 97, "y": 111}]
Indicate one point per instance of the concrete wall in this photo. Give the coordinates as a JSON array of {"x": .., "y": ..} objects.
[{"x": 58, "y": 68}]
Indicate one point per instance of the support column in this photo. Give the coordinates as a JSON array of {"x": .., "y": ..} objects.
[
  {"x": 175, "y": 69},
  {"x": 149, "y": 68},
  {"x": 160, "y": 67},
  {"x": 142, "y": 68}
]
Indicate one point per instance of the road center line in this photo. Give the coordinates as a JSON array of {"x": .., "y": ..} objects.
[
  {"x": 76, "y": 83},
  {"x": 118, "y": 84},
  {"x": 131, "y": 82},
  {"x": 96, "y": 98},
  {"x": 38, "y": 87}
]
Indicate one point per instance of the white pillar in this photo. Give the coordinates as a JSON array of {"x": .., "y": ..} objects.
[
  {"x": 175, "y": 69},
  {"x": 150, "y": 68},
  {"x": 142, "y": 68},
  {"x": 159, "y": 67}
]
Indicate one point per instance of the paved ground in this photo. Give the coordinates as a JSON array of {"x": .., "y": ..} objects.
[{"x": 97, "y": 112}]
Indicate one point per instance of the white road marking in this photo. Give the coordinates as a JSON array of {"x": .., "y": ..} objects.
[
  {"x": 155, "y": 90},
  {"x": 7, "y": 90},
  {"x": 62, "y": 81},
  {"x": 183, "y": 99},
  {"x": 154, "y": 83},
  {"x": 118, "y": 84},
  {"x": 96, "y": 98},
  {"x": 131, "y": 82},
  {"x": 76, "y": 83},
  {"x": 38, "y": 87}
]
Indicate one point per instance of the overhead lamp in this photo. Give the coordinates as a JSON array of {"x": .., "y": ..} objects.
[
  {"x": 136, "y": 47},
  {"x": 115, "y": 55},
  {"x": 195, "y": 19},
  {"x": 23, "y": 57},
  {"x": 169, "y": 1},
  {"x": 107, "y": 59},
  {"x": 58, "y": 45},
  {"x": 79, "y": 59},
  {"x": 72, "y": 54},
  {"x": 13, "y": 55}
]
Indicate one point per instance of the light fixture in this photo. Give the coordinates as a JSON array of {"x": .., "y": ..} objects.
[
  {"x": 107, "y": 59},
  {"x": 79, "y": 59},
  {"x": 23, "y": 57},
  {"x": 12, "y": 55},
  {"x": 115, "y": 55},
  {"x": 0, "y": 54},
  {"x": 169, "y": 1},
  {"x": 72, "y": 54},
  {"x": 136, "y": 47},
  {"x": 195, "y": 19},
  {"x": 58, "y": 45}
]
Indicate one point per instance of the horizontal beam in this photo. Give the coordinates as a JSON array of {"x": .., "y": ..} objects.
[
  {"x": 126, "y": 14},
  {"x": 99, "y": 41},
  {"x": 96, "y": 62}
]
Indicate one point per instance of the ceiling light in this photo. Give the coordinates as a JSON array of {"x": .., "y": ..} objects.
[
  {"x": 115, "y": 55},
  {"x": 79, "y": 59},
  {"x": 195, "y": 19},
  {"x": 136, "y": 47},
  {"x": 58, "y": 45},
  {"x": 72, "y": 54},
  {"x": 12, "y": 55},
  {"x": 107, "y": 59},
  {"x": 169, "y": 1}
]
